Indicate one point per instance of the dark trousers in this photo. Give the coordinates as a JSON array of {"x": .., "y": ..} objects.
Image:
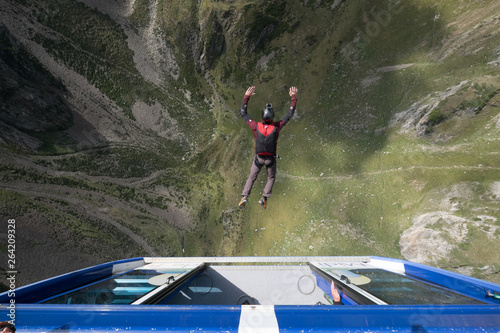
[{"x": 259, "y": 161}]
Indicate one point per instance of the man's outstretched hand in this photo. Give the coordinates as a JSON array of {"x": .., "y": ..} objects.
[
  {"x": 250, "y": 91},
  {"x": 293, "y": 92}
]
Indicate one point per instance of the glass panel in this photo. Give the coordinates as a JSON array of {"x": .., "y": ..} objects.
[
  {"x": 121, "y": 289},
  {"x": 393, "y": 288}
]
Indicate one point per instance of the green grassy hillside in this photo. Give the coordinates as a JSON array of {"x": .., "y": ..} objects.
[
  {"x": 397, "y": 118},
  {"x": 393, "y": 150}
]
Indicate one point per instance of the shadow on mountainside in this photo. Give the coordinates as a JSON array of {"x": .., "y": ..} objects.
[
  {"x": 31, "y": 98},
  {"x": 369, "y": 79}
]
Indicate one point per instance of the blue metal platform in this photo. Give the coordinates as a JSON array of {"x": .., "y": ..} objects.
[{"x": 256, "y": 294}]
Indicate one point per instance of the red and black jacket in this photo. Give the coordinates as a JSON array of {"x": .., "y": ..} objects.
[{"x": 266, "y": 134}]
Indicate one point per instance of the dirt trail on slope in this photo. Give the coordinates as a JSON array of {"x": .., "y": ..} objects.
[
  {"x": 177, "y": 216},
  {"x": 380, "y": 172},
  {"x": 45, "y": 191}
]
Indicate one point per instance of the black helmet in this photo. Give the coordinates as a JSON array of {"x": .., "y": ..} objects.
[{"x": 268, "y": 113}]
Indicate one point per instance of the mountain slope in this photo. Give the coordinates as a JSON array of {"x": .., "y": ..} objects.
[{"x": 392, "y": 151}]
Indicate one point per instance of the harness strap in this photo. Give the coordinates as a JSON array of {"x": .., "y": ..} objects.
[
  {"x": 257, "y": 164},
  {"x": 260, "y": 165}
]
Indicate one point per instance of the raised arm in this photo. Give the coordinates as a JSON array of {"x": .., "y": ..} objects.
[
  {"x": 243, "y": 111},
  {"x": 293, "y": 94}
]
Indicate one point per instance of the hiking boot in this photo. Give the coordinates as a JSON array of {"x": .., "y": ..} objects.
[
  {"x": 243, "y": 202},
  {"x": 263, "y": 202}
]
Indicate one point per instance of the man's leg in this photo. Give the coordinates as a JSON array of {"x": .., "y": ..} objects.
[
  {"x": 254, "y": 172},
  {"x": 271, "y": 177}
]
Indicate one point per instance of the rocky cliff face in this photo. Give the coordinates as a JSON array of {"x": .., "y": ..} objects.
[{"x": 32, "y": 98}]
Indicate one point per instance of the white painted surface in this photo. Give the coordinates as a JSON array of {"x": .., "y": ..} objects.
[{"x": 258, "y": 319}]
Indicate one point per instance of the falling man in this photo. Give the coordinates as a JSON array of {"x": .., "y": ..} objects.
[{"x": 266, "y": 138}]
